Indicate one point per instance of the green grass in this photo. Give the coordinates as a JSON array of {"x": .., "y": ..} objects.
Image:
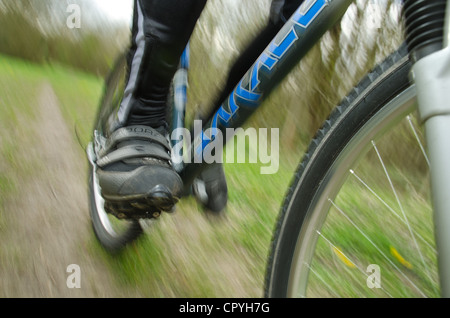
[
  {"x": 370, "y": 231},
  {"x": 78, "y": 95},
  {"x": 20, "y": 84},
  {"x": 16, "y": 110},
  {"x": 190, "y": 254}
]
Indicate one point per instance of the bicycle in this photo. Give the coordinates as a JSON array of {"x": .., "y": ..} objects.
[{"x": 344, "y": 157}]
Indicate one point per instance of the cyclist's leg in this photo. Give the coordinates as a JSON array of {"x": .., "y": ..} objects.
[
  {"x": 161, "y": 30},
  {"x": 135, "y": 172}
]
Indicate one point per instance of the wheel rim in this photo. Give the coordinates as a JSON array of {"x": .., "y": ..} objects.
[
  {"x": 109, "y": 223},
  {"x": 304, "y": 272}
]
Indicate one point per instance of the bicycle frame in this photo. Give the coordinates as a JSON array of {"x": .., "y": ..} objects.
[
  {"x": 432, "y": 77},
  {"x": 302, "y": 31}
]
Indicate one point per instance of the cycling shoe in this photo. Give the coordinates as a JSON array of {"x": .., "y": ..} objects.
[
  {"x": 210, "y": 188},
  {"x": 135, "y": 173}
]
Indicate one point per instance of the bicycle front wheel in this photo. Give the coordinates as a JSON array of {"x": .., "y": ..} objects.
[{"x": 357, "y": 221}]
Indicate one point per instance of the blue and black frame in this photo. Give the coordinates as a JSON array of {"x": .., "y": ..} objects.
[{"x": 300, "y": 33}]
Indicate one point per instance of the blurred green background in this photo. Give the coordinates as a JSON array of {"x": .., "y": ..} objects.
[{"x": 42, "y": 61}]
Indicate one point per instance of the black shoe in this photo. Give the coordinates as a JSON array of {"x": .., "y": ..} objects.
[
  {"x": 135, "y": 173},
  {"x": 210, "y": 188}
]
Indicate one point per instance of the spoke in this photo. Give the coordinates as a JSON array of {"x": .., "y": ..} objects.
[
  {"x": 411, "y": 232},
  {"x": 338, "y": 249},
  {"x": 377, "y": 248},
  {"x": 389, "y": 208},
  {"x": 322, "y": 280},
  {"x": 353, "y": 263},
  {"x": 422, "y": 148}
]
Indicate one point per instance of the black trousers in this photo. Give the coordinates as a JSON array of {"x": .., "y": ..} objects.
[{"x": 160, "y": 32}]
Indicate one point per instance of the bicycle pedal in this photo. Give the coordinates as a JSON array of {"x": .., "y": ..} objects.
[{"x": 140, "y": 209}]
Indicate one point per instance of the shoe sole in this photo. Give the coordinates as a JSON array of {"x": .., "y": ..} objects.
[{"x": 144, "y": 206}]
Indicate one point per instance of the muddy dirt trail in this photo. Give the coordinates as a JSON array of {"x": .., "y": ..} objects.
[{"x": 48, "y": 226}]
